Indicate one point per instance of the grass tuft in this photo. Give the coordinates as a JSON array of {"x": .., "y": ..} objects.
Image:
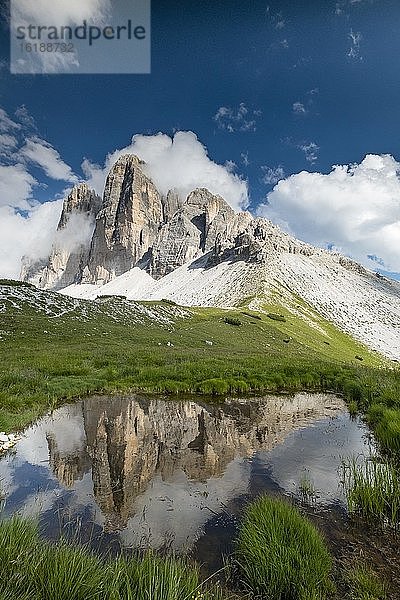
[
  {"x": 35, "y": 569},
  {"x": 385, "y": 422},
  {"x": 280, "y": 554},
  {"x": 63, "y": 572},
  {"x": 307, "y": 489},
  {"x": 372, "y": 490},
  {"x": 213, "y": 386},
  {"x": 352, "y": 408}
]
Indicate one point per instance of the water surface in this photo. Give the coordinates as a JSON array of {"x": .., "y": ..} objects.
[{"x": 171, "y": 474}]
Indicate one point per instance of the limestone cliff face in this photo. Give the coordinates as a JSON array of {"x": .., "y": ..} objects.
[
  {"x": 171, "y": 204},
  {"x": 70, "y": 251},
  {"x": 138, "y": 227},
  {"x": 193, "y": 230},
  {"x": 81, "y": 200},
  {"x": 127, "y": 224},
  {"x": 256, "y": 240}
]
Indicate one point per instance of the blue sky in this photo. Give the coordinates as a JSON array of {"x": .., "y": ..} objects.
[{"x": 277, "y": 87}]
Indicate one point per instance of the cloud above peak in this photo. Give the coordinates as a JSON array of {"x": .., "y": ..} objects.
[
  {"x": 45, "y": 156},
  {"x": 26, "y": 226},
  {"x": 15, "y": 186},
  {"x": 355, "y": 208},
  {"x": 180, "y": 162},
  {"x": 21, "y": 148}
]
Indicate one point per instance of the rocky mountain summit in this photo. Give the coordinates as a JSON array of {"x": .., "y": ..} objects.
[
  {"x": 70, "y": 251},
  {"x": 136, "y": 226},
  {"x": 197, "y": 251},
  {"x": 127, "y": 223}
]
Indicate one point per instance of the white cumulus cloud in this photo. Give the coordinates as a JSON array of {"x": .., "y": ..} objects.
[
  {"x": 45, "y": 156},
  {"x": 7, "y": 142},
  {"x": 26, "y": 226},
  {"x": 180, "y": 162},
  {"x": 15, "y": 186},
  {"x": 7, "y": 124},
  {"x": 355, "y": 208},
  {"x": 29, "y": 234},
  {"x": 78, "y": 231}
]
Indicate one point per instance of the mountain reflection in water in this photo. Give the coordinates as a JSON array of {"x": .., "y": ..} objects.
[{"x": 155, "y": 470}]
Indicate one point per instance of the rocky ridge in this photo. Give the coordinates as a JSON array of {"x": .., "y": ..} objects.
[
  {"x": 136, "y": 226},
  {"x": 127, "y": 223},
  {"x": 70, "y": 252},
  {"x": 197, "y": 251}
]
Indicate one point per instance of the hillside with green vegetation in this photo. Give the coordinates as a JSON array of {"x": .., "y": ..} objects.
[{"x": 54, "y": 348}]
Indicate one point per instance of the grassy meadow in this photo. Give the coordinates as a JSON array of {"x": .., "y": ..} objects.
[{"x": 54, "y": 348}]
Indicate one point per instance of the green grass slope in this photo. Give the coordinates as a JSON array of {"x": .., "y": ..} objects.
[{"x": 54, "y": 348}]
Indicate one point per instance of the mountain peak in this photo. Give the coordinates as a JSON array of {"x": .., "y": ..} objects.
[
  {"x": 81, "y": 199},
  {"x": 70, "y": 249},
  {"x": 137, "y": 226},
  {"x": 198, "y": 250},
  {"x": 127, "y": 159}
]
